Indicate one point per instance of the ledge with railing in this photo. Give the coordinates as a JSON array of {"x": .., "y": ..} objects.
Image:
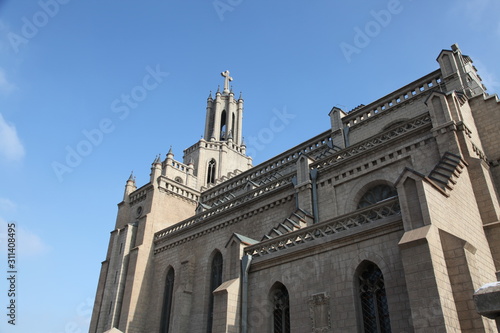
[
  {"x": 369, "y": 144},
  {"x": 429, "y": 82},
  {"x": 218, "y": 145},
  {"x": 260, "y": 173},
  {"x": 174, "y": 187},
  {"x": 139, "y": 194},
  {"x": 236, "y": 202},
  {"x": 372, "y": 214}
]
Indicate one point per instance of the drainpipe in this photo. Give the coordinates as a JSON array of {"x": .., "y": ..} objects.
[
  {"x": 296, "y": 195},
  {"x": 314, "y": 176},
  {"x": 346, "y": 136},
  {"x": 245, "y": 267}
]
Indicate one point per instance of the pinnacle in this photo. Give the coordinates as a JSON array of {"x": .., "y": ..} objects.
[{"x": 132, "y": 177}]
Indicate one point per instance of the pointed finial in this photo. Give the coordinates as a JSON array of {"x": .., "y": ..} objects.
[
  {"x": 218, "y": 89},
  {"x": 243, "y": 144},
  {"x": 157, "y": 159},
  {"x": 241, "y": 96},
  {"x": 132, "y": 177},
  {"x": 170, "y": 153},
  {"x": 210, "y": 95}
]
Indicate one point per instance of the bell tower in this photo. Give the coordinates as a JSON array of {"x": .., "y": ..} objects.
[
  {"x": 224, "y": 115},
  {"x": 221, "y": 152}
]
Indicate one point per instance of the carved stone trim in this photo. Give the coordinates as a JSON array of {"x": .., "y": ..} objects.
[
  {"x": 163, "y": 236},
  {"x": 319, "y": 310}
]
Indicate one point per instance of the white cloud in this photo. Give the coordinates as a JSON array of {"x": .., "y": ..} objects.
[
  {"x": 28, "y": 244},
  {"x": 480, "y": 15},
  {"x": 3, "y": 35},
  {"x": 7, "y": 205},
  {"x": 5, "y": 86},
  {"x": 11, "y": 147},
  {"x": 489, "y": 79}
]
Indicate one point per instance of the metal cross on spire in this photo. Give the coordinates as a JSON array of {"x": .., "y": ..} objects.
[{"x": 227, "y": 79}]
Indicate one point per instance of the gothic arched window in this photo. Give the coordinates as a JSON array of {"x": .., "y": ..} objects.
[
  {"x": 376, "y": 194},
  {"x": 167, "y": 301},
  {"x": 211, "y": 171},
  {"x": 223, "y": 126},
  {"x": 373, "y": 299},
  {"x": 281, "y": 309},
  {"x": 233, "y": 125},
  {"x": 215, "y": 281}
]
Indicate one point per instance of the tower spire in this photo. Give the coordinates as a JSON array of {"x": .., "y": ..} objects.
[
  {"x": 224, "y": 114},
  {"x": 132, "y": 177},
  {"x": 129, "y": 187}
]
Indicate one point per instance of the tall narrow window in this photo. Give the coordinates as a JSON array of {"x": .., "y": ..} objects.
[
  {"x": 211, "y": 171},
  {"x": 281, "y": 309},
  {"x": 373, "y": 299},
  {"x": 167, "y": 302},
  {"x": 233, "y": 126},
  {"x": 215, "y": 281},
  {"x": 223, "y": 126}
]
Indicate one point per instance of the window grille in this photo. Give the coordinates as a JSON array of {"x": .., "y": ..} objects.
[
  {"x": 167, "y": 301},
  {"x": 215, "y": 281},
  {"x": 281, "y": 312},
  {"x": 211, "y": 172},
  {"x": 374, "y": 300}
]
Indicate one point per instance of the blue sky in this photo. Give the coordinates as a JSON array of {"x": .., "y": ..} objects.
[{"x": 67, "y": 67}]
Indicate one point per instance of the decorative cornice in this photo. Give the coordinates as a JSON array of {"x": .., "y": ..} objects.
[
  {"x": 404, "y": 95},
  {"x": 260, "y": 172},
  {"x": 325, "y": 229},
  {"x": 163, "y": 236},
  {"x": 363, "y": 147},
  {"x": 140, "y": 194},
  {"x": 166, "y": 185}
]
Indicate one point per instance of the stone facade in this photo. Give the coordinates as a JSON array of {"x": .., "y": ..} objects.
[{"x": 389, "y": 221}]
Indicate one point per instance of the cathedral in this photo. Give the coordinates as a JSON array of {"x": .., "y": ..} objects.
[{"x": 386, "y": 222}]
